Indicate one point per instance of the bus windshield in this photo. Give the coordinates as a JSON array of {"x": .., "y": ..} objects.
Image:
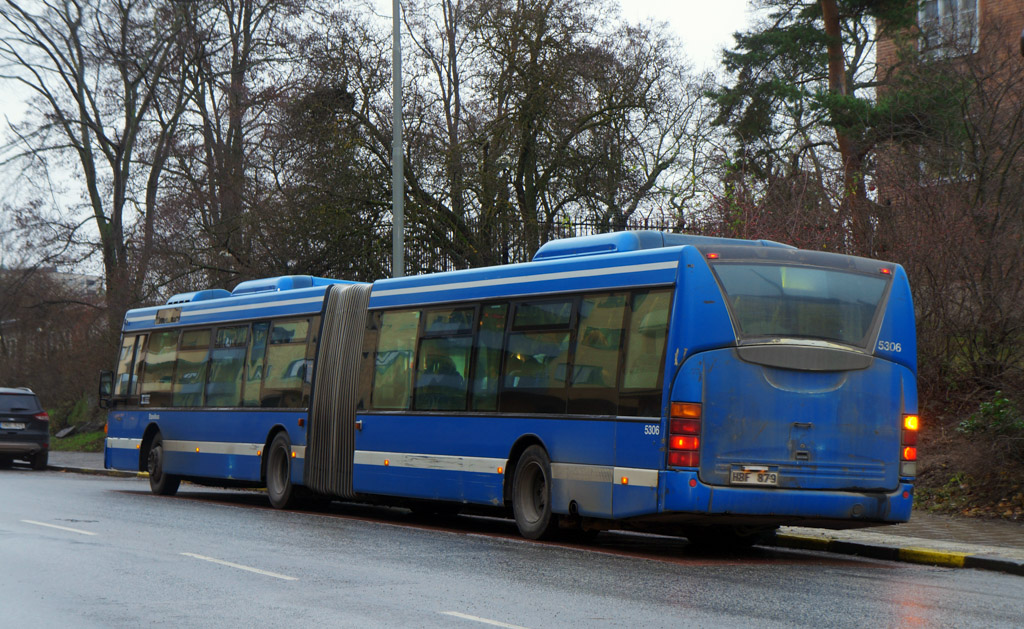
[{"x": 777, "y": 300}]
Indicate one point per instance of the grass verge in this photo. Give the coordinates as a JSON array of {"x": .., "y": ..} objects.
[{"x": 85, "y": 442}]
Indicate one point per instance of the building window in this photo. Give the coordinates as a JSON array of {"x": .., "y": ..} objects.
[{"x": 948, "y": 27}]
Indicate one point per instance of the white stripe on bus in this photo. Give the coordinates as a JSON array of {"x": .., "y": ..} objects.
[
  {"x": 212, "y": 447},
  {"x": 430, "y": 461},
  {"x": 238, "y": 308},
  {"x": 205, "y": 447},
  {"x": 635, "y": 268},
  {"x": 120, "y": 443},
  {"x": 634, "y": 476}
]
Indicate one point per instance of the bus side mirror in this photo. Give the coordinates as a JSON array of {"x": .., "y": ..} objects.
[{"x": 106, "y": 388}]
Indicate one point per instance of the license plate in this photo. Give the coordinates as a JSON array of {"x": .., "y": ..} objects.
[
  {"x": 12, "y": 425},
  {"x": 753, "y": 476}
]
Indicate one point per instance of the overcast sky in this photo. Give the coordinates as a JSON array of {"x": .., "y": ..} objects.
[{"x": 704, "y": 26}]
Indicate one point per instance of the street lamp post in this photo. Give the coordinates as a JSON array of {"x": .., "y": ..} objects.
[{"x": 397, "y": 164}]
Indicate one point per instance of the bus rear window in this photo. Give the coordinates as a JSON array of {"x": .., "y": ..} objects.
[{"x": 772, "y": 300}]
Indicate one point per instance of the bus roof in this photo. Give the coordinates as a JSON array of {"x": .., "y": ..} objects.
[
  {"x": 269, "y": 297},
  {"x": 620, "y": 242},
  {"x": 603, "y": 261}
]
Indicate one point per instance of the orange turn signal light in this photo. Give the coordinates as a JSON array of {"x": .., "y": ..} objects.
[
  {"x": 911, "y": 422},
  {"x": 685, "y": 410}
]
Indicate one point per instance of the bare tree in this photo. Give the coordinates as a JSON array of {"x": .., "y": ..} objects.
[
  {"x": 97, "y": 70},
  {"x": 240, "y": 65}
]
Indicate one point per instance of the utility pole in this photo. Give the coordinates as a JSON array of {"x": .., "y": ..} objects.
[{"x": 397, "y": 155}]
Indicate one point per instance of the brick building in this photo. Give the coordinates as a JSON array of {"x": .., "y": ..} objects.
[{"x": 956, "y": 28}]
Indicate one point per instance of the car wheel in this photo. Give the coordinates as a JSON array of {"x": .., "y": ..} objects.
[
  {"x": 40, "y": 459},
  {"x": 160, "y": 483}
]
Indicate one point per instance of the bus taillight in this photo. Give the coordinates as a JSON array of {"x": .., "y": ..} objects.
[
  {"x": 684, "y": 435},
  {"x": 908, "y": 446}
]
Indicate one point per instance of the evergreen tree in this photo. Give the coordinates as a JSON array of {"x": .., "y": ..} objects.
[{"x": 802, "y": 96}]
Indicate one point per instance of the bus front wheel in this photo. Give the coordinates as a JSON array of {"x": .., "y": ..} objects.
[
  {"x": 531, "y": 495},
  {"x": 279, "y": 472},
  {"x": 160, "y": 483}
]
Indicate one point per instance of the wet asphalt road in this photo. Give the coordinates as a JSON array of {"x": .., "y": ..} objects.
[{"x": 85, "y": 551}]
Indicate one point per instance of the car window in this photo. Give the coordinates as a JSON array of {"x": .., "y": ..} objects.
[{"x": 17, "y": 402}]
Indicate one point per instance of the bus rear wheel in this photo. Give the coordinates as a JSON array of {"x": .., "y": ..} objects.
[
  {"x": 160, "y": 483},
  {"x": 531, "y": 495},
  {"x": 280, "y": 490}
]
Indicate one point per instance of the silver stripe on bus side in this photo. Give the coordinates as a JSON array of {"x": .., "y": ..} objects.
[
  {"x": 204, "y": 447},
  {"x": 588, "y": 473},
  {"x": 634, "y": 476},
  {"x": 542, "y": 277},
  {"x": 637, "y": 477},
  {"x": 213, "y": 447},
  {"x": 238, "y": 308},
  {"x": 430, "y": 461},
  {"x": 120, "y": 443}
]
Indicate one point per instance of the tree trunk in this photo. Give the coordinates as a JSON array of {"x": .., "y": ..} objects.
[{"x": 854, "y": 201}]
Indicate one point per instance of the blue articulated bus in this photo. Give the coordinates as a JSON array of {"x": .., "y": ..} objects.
[{"x": 709, "y": 387}]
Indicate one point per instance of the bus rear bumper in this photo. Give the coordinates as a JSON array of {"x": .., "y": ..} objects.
[{"x": 682, "y": 492}]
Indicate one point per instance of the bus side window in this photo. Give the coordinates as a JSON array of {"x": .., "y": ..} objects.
[
  {"x": 596, "y": 358},
  {"x": 645, "y": 354},
  {"x": 286, "y": 369},
  {"x": 441, "y": 369},
  {"x": 311, "y": 347},
  {"x": 488, "y": 357},
  {"x": 227, "y": 362},
  {"x": 537, "y": 358},
  {"x": 190, "y": 374},
  {"x": 442, "y": 361},
  {"x": 254, "y": 363},
  {"x": 125, "y": 377},
  {"x": 392, "y": 380},
  {"x": 158, "y": 368}
]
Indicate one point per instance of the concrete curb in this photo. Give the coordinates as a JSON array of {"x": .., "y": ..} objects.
[
  {"x": 908, "y": 554},
  {"x": 95, "y": 472}
]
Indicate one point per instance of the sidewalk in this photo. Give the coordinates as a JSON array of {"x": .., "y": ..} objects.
[{"x": 926, "y": 539}]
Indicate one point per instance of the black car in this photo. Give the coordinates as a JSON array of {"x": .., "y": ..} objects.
[{"x": 24, "y": 428}]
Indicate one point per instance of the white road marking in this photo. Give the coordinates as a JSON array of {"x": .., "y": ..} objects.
[
  {"x": 62, "y": 528},
  {"x": 241, "y": 567},
  {"x": 483, "y": 620}
]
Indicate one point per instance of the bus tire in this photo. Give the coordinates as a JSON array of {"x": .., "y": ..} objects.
[
  {"x": 531, "y": 495},
  {"x": 160, "y": 483},
  {"x": 280, "y": 490}
]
